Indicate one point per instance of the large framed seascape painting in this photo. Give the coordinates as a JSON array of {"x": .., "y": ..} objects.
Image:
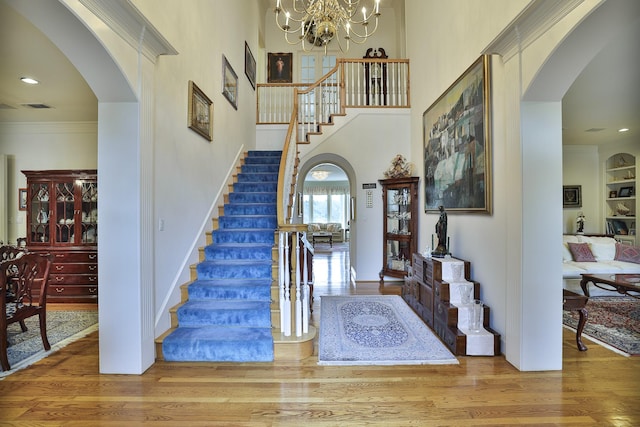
[{"x": 457, "y": 144}]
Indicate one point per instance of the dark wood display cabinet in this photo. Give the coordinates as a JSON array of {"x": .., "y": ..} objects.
[
  {"x": 62, "y": 219},
  {"x": 400, "y": 225}
]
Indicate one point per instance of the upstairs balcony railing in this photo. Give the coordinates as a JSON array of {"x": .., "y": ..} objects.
[
  {"x": 352, "y": 83},
  {"x": 355, "y": 83}
]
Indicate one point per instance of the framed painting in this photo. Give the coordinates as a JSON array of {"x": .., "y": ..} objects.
[
  {"x": 625, "y": 192},
  {"x": 229, "y": 83},
  {"x": 280, "y": 67},
  {"x": 457, "y": 144},
  {"x": 249, "y": 65},
  {"x": 571, "y": 196},
  {"x": 200, "y": 116},
  {"x": 22, "y": 199}
]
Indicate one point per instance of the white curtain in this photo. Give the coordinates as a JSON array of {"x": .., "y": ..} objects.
[{"x": 328, "y": 188}]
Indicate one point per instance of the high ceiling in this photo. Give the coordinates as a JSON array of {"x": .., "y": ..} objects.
[{"x": 602, "y": 100}]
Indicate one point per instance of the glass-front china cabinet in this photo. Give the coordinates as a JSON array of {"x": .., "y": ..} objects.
[
  {"x": 400, "y": 225},
  {"x": 62, "y": 219}
]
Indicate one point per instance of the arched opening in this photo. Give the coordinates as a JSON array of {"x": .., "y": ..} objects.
[
  {"x": 126, "y": 328},
  {"x": 326, "y": 209},
  {"x": 341, "y": 181},
  {"x": 541, "y": 158}
]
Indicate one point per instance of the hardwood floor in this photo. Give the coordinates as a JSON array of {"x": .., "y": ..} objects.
[{"x": 596, "y": 387}]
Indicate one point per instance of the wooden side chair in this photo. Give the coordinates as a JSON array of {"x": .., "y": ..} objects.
[
  {"x": 8, "y": 252},
  {"x": 19, "y": 279}
]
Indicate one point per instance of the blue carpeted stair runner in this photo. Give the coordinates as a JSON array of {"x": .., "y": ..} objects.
[{"x": 227, "y": 317}]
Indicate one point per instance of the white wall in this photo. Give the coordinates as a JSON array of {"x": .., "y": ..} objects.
[
  {"x": 581, "y": 166},
  {"x": 508, "y": 247},
  {"x": 481, "y": 239},
  {"x": 370, "y": 140},
  {"x": 584, "y": 165},
  {"x": 190, "y": 171}
]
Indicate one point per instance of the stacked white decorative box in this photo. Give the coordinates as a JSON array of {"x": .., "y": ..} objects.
[{"x": 480, "y": 342}]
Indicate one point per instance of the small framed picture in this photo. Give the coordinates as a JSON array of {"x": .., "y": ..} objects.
[
  {"x": 200, "y": 117},
  {"x": 625, "y": 192},
  {"x": 229, "y": 83},
  {"x": 280, "y": 68},
  {"x": 22, "y": 199},
  {"x": 613, "y": 194},
  {"x": 571, "y": 196},
  {"x": 249, "y": 65}
]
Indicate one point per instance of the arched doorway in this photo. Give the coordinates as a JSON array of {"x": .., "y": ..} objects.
[
  {"x": 326, "y": 209},
  {"x": 126, "y": 324},
  {"x": 342, "y": 175},
  {"x": 540, "y": 129}
]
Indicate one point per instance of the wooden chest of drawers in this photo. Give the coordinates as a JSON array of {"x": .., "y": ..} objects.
[
  {"x": 73, "y": 276},
  {"x": 429, "y": 296}
]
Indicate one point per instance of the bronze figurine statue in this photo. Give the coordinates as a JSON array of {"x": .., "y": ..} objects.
[{"x": 441, "y": 231}]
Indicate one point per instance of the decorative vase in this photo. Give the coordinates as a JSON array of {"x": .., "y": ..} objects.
[
  {"x": 42, "y": 217},
  {"x": 476, "y": 316},
  {"x": 457, "y": 272},
  {"x": 465, "y": 293}
]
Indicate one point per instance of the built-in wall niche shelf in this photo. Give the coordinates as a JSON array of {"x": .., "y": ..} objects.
[{"x": 620, "y": 206}]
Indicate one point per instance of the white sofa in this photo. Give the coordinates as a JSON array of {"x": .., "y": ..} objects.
[
  {"x": 333, "y": 227},
  {"x": 604, "y": 252}
]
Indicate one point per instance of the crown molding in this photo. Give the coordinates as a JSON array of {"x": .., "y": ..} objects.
[
  {"x": 529, "y": 25},
  {"x": 130, "y": 24}
]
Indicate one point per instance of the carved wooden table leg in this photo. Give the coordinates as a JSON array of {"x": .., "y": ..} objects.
[
  {"x": 575, "y": 302},
  {"x": 581, "y": 322},
  {"x": 584, "y": 284}
]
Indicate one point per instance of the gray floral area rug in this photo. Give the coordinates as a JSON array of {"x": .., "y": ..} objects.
[
  {"x": 63, "y": 327},
  {"x": 613, "y": 322},
  {"x": 376, "y": 330}
]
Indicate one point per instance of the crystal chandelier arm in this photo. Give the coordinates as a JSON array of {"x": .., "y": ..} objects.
[
  {"x": 359, "y": 38},
  {"x": 353, "y": 11},
  {"x": 317, "y": 22}
]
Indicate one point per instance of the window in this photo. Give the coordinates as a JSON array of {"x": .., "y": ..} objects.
[
  {"x": 321, "y": 208},
  {"x": 312, "y": 67},
  {"x": 336, "y": 211}
]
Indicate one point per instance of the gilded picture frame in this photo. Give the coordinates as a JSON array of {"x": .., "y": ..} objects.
[
  {"x": 457, "y": 144},
  {"x": 200, "y": 112},
  {"x": 279, "y": 67}
]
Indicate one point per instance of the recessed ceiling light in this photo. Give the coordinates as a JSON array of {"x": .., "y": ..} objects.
[
  {"x": 29, "y": 80},
  {"x": 623, "y": 130}
]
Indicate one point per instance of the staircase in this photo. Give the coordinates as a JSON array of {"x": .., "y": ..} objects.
[{"x": 226, "y": 313}]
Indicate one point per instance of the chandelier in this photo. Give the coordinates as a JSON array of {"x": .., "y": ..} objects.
[
  {"x": 316, "y": 22},
  {"x": 320, "y": 175}
]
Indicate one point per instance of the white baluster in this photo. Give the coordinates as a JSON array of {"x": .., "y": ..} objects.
[
  {"x": 305, "y": 289},
  {"x": 286, "y": 307},
  {"x": 298, "y": 291},
  {"x": 281, "y": 274},
  {"x": 391, "y": 86}
]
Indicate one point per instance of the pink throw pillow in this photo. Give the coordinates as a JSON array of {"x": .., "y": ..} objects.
[
  {"x": 627, "y": 253},
  {"x": 581, "y": 252}
]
